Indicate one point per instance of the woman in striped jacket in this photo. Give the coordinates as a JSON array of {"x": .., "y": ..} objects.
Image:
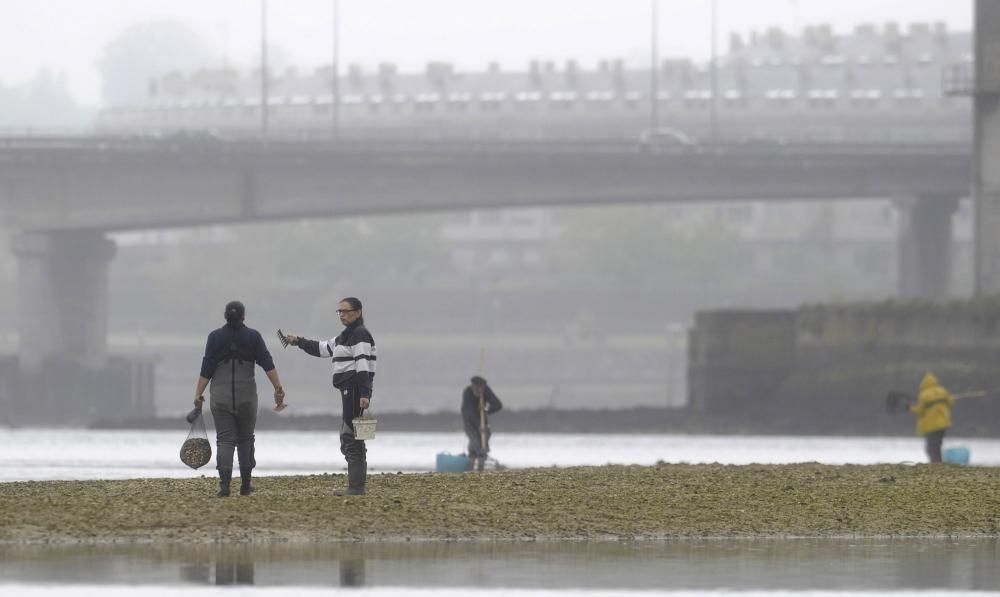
[{"x": 353, "y": 356}]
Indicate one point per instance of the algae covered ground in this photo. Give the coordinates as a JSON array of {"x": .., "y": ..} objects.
[{"x": 606, "y": 502}]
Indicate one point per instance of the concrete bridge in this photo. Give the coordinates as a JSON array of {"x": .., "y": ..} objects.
[
  {"x": 64, "y": 195},
  {"x": 101, "y": 185}
]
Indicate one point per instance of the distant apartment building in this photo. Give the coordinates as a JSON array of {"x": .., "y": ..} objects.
[{"x": 874, "y": 83}]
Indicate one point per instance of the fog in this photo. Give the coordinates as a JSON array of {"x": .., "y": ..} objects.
[
  {"x": 579, "y": 302},
  {"x": 68, "y": 38}
]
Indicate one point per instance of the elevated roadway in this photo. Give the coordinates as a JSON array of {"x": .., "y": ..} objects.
[{"x": 117, "y": 184}]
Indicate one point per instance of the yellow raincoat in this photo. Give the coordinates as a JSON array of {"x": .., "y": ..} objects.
[{"x": 933, "y": 407}]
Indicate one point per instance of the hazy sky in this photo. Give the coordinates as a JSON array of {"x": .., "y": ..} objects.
[{"x": 68, "y": 35}]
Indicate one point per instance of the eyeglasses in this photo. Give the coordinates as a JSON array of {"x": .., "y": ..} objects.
[{"x": 342, "y": 311}]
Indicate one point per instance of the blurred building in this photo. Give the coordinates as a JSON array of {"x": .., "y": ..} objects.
[
  {"x": 872, "y": 84},
  {"x": 499, "y": 239}
]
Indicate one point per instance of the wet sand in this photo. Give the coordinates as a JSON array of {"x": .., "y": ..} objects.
[{"x": 579, "y": 503}]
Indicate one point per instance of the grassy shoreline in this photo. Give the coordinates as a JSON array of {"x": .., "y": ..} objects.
[{"x": 578, "y": 503}]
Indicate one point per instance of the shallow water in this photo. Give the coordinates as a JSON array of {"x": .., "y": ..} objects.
[
  {"x": 793, "y": 565},
  {"x": 40, "y": 454}
]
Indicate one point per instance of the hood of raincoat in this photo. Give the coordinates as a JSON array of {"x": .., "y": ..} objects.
[{"x": 928, "y": 381}]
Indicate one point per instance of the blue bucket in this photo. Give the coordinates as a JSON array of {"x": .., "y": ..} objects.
[
  {"x": 453, "y": 463},
  {"x": 956, "y": 455}
]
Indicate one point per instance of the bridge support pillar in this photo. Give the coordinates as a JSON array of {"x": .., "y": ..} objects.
[
  {"x": 63, "y": 298},
  {"x": 64, "y": 374},
  {"x": 925, "y": 246},
  {"x": 986, "y": 181}
]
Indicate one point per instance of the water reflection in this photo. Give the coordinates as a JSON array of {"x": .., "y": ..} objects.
[
  {"x": 224, "y": 565},
  {"x": 228, "y": 569},
  {"x": 237, "y": 567},
  {"x": 774, "y": 564},
  {"x": 352, "y": 573}
]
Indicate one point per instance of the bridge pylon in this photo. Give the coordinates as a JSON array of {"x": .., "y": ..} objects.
[
  {"x": 63, "y": 297},
  {"x": 64, "y": 374},
  {"x": 986, "y": 135},
  {"x": 924, "y": 250}
]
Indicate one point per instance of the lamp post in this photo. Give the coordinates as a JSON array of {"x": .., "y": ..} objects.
[
  {"x": 263, "y": 69},
  {"x": 654, "y": 68},
  {"x": 335, "y": 78},
  {"x": 714, "y": 74}
]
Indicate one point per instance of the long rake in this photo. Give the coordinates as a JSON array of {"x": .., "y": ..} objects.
[{"x": 898, "y": 402}]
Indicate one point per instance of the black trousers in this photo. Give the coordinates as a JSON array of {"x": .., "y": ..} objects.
[
  {"x": 932, "y": 444},
  {"x": 354, "y": 450},
  {"x": 476, "y": 448}
]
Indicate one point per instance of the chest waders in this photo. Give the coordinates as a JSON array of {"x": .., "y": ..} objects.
[{"x": 233, "y": 396}]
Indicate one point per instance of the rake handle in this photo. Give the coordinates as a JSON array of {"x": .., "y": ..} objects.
[{"x": 972, "y": 394}]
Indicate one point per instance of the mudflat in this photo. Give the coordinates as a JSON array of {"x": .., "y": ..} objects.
[{"x": 576, "y": 503}]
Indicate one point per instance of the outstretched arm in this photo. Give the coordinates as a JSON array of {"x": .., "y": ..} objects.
[{"x": 313, "y": 347}]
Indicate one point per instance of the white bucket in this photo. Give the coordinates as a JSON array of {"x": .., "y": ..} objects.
[{"x": 364, "y": 427}]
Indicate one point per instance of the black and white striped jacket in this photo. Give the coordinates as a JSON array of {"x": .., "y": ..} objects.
[{"x": 353, "y": 356}]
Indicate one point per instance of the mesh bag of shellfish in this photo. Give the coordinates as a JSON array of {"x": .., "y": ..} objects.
[{"x": 196, "y": 450}]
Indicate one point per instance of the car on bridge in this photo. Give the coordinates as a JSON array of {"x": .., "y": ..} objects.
[{"x": 666, "y": 139}]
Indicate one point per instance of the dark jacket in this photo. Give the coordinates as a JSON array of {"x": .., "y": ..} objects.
[
  {"x": 470, "y": 402},
  {"x": 234, "y": 342},
  {"x": 230, "y": 354}
]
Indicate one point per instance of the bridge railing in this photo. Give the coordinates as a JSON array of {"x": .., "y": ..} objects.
[
  {"x": 295, "y": 146},
  {"x": 277, "y": 146}
]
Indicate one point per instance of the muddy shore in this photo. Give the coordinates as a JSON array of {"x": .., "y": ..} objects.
[{"x": 579, "y": 503}]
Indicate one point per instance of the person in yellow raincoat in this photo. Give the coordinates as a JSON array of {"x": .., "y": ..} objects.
[{"x": 933, "y": 410}]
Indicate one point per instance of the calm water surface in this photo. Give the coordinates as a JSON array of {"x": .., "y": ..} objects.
[
  {"x": 792, "y": 565},
  {"x": 39, "y": 454}
]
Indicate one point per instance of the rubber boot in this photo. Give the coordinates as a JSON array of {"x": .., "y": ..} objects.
[
  {"x": 246, "y": 484},
  {"x": 357, "y": 473},
  {"x": 225, "y": 477}
]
